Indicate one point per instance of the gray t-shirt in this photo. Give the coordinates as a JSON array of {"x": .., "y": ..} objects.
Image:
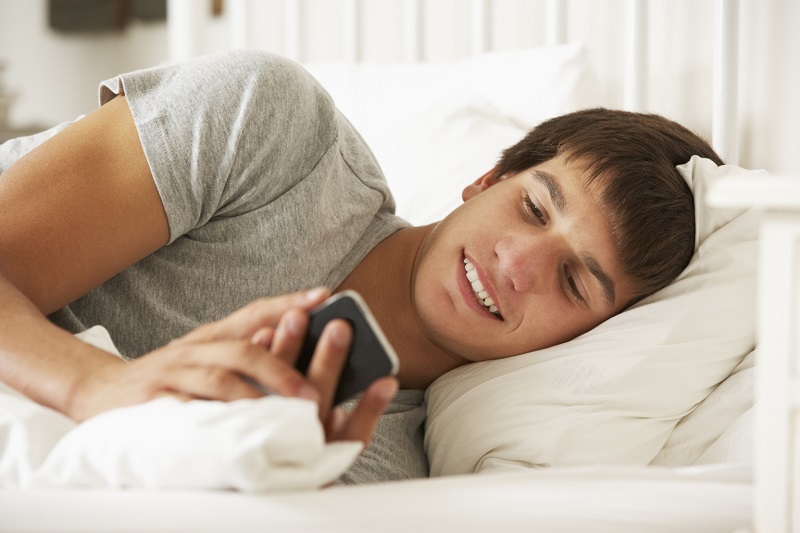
[{"x": 268, "y": 189}]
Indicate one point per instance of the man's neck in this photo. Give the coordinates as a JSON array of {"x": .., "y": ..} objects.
[{"x": 384, "y": 278}]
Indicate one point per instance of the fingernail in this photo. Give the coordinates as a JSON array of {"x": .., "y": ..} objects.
[
  {"x": 388, "y": 390},
  {"x": 315, "y": 294},
  {"x": 338, "y": 419},
  {"x": 262, "y": 337},
  {"x": 340, "y": 335},
  {"x": 294, "y": 324},
  {"x": 308, "y": 392}
]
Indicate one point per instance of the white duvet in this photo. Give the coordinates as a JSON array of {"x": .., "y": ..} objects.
[{"x": 249, "y": 445}]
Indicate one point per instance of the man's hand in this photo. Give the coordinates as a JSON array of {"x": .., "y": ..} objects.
[{"x": 241, "y": 356}]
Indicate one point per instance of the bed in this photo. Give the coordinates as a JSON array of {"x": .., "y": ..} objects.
[{"x": 646, "y": 423}]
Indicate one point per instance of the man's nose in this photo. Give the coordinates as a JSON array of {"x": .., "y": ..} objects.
[{"x": 528, "y": 262}]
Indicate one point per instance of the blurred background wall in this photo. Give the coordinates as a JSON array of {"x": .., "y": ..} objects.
[{"x": 53, "y": 73}]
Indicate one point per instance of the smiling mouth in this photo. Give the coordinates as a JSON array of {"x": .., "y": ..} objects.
[{"x": 477, "y": 289}]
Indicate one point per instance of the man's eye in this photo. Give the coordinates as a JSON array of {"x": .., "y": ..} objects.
[
  {"x": 573, "y": 287},
  {"x": 533, "y": 209}
]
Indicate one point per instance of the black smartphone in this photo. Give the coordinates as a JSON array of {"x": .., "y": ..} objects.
[{"x": 371, "y": 356}]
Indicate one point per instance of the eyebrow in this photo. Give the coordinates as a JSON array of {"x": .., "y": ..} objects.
[
  {"x": 609, "y": 291},
  {"x": 560, "y": 203},
  {"x": 553, "y": 188}
]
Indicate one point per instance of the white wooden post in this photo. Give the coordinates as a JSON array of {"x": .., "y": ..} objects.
[
  {"x": 185, "y": 25},
  {"x": 777, "y": 407},
  {"x": 636, "y": 52},
  {"x": 556, "y": 22},
  {"x": 725, "y": 117}
]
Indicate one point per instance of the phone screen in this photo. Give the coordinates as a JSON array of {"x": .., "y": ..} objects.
[{"x": 371, "y": 356}]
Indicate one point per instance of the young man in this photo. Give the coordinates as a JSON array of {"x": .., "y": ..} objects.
[{"x": 198, "y": 188}]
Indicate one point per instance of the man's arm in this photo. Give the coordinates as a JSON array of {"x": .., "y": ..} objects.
[
  {"x": 77, "y": 210},
  {"x": 74, "y": 212}
]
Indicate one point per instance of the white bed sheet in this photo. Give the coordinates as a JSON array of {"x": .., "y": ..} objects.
[{"x": 597, "y": 499}]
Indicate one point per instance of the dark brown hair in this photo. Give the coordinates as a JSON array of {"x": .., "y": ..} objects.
[{"x": 632, "y": 157}]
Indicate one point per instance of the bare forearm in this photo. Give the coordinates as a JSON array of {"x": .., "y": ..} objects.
[
  {"x": 39, "y": 359},
  {"x": 74, "y": 212}
]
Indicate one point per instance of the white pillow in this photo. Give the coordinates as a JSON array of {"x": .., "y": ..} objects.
[
  {"x": 719, "y": 429},
  {"x": 435, "y": 127},
  {"x": 614, "y": 394}
]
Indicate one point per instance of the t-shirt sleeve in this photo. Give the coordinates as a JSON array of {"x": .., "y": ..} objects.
[{"x": 227, "y": 133}]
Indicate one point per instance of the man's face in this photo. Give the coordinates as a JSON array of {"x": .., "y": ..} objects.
[{"x": 539, "y": 245}]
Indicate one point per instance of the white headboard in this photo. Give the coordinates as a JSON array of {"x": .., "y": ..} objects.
[{"x": 634, "y": 65}]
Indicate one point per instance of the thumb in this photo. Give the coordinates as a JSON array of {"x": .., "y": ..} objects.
[{"x": 361, "y": 422}]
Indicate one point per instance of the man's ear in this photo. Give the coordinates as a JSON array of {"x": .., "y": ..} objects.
[{"x": 481, "y": 184}]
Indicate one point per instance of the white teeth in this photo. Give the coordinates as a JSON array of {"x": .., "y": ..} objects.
[{"x": 477, "y": 287}]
